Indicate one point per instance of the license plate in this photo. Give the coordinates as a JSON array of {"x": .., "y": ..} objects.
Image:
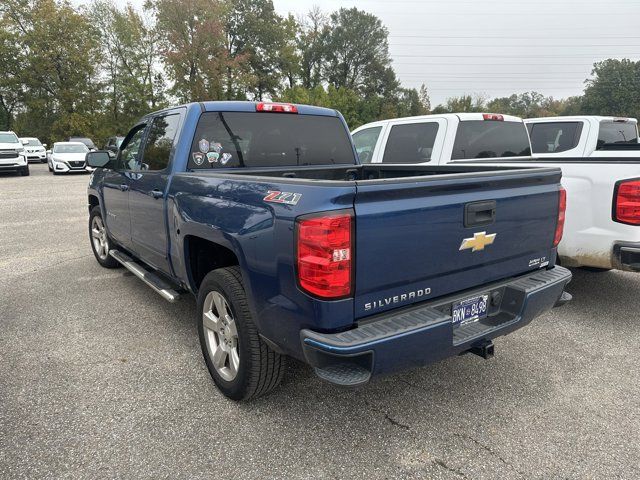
[{"x": 469, "y": 310}]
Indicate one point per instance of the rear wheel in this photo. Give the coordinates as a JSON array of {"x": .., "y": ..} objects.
[
  {"x": 241, "y": 364},
  {"x": 100, "y": 242}
]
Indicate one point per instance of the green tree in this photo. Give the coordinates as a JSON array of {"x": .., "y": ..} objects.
[
  {"x": 614, "y": 89},
  {"x": 58, "y": 48},
  {"x": 464, "y": 103},
  {"x": 357, "y": 53},
  {"x": 11, "y": 59},
  {"x": 193, "y": 43},
  {"x": 310, "y": 43},
  {"x": 257, "y": 35},
  {"x": 130, "y": 56}
]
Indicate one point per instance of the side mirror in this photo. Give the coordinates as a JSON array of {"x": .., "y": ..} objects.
[
  {"x": 24, "y": 142},
  {"x": 44, "y": 145},
  {"x": 98, "y": 159},
  {"x": 48, "y": 152},
  {"x": 111, "y": 153}
]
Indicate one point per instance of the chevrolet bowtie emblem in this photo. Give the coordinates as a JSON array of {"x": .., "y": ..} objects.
[{"x": 478, "y": 242}]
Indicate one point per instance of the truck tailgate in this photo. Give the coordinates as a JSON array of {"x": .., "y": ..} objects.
[{"x": 412, "y": 243}]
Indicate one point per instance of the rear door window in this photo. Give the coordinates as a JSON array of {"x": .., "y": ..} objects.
[
  {"x": 488, "y": 139},
  {"x": 617, "y": 132},
  {"x": 554, "y": 137},
  {"x": 411, "y": 143},
  {"x": 247, "y": 139},
  {"x": 365, "y": 142}
]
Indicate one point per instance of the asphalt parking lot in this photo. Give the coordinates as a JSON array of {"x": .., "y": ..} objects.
[{"x": 101, "y": 378}]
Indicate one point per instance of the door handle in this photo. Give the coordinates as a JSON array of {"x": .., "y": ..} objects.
[
  {"x": 156, "y": 193},
  {"x": 124, "y": 187}
]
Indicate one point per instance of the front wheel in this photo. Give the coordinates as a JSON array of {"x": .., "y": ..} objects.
[
  {"x": 100, "y": 242},
  {"x": 241, "y": 364},
  {"x": 24, "y": 171}
]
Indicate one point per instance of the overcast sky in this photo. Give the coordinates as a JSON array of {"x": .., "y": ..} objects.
[{"x": 497, "y": 47}]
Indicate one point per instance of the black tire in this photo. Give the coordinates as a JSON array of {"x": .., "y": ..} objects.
[
  {"x": 43, "y": 161},
  {"x": 50, "y": 169},
  {"x": 108, "y": 261},
  {"x": 24, "y": 171},
  {"x": 260, "y": 368}
]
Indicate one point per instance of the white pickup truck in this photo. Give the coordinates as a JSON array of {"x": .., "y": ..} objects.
[{"x": 602, "y": 229}]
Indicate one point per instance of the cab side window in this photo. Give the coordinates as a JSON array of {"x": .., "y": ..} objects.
[
  {"x": 129, "y": 151},
  {"x": 159, "y": 144},
  {"x": 411, "y": 143}
]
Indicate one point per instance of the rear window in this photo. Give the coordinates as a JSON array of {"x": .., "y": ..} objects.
[
  {"x": 554, "y": 137},
  {"x": 410, "y": 143},
  {"x": 67, "y": 148},
  {"x": 87, "y": 141},
  {"x": 247, "y": 139},
  {"x": 617, "y": 132},
  {"x": 487, "y": 139}
]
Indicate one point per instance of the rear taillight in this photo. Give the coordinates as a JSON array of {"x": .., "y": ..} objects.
[
  {"x": 493, "y": 116},
  {"x": 325, "y": 254},
  {"x": 562, "y": 210},
  {"x": 276, "y": 107},
  {"x": 627, "y": 202}
]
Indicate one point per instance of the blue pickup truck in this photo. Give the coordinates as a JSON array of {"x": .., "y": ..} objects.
[{"x": 292, "y": 248}]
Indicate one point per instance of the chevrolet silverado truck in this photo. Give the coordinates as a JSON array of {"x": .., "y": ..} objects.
[
  {"x": 293, "y": 248},
  {"x": 602, "y": 231}
]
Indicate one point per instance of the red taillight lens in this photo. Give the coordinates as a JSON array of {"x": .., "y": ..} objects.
[
  {"x": 276, "y": 107},
  {"x": 627, "y": 202},
  {"x": 325, "y": 254},
  {"x": 493, "y": 116},
  {"x": 562, "y": 210}
]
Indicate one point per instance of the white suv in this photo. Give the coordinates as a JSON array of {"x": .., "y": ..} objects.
[
  {"x": 12, "y": 156},
  {"x": 34, "y": 149}
]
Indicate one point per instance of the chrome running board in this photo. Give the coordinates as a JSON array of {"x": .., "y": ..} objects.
[{"x": 161, "y": 287}]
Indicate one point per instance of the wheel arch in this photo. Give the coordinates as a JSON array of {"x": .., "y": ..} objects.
[
  {"x": 93, "y": 201},
  {"x": 202, "y": 256}
]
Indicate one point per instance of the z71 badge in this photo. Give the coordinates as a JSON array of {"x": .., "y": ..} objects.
[{"x": 287, "y": 198}]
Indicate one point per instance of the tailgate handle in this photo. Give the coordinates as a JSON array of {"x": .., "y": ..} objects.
[{"x": 479, "y": 214}]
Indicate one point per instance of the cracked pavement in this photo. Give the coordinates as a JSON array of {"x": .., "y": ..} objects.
[{"x": 101, "y": 378}]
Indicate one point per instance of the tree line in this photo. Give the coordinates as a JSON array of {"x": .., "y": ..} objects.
[{"x": 93, "y": 70}]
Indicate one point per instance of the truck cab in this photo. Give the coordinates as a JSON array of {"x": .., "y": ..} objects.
[{"x": 439, "y": 139}]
